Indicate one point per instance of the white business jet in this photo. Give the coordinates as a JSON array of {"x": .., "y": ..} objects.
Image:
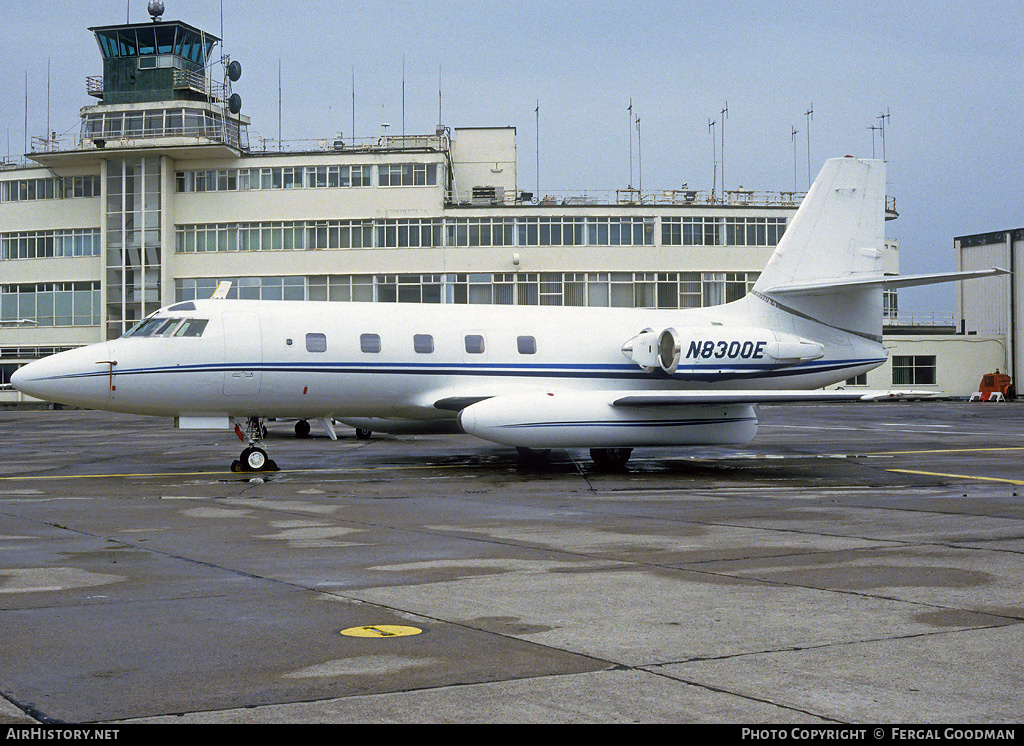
[{"x": 536, "y": 378}]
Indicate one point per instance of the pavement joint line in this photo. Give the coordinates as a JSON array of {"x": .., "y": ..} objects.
[
  {"x": 956, "y": 476},
  {"x": 392, "y": 467}
]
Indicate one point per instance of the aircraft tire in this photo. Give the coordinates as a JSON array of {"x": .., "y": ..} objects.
[
  {"x": 610, "y": 458},
  {"x": 254, "y": 459},
  {"x": 363, "y": 434},
  {"x": 302, "y": 429}
]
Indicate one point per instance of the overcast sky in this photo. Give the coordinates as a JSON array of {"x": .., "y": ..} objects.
[{"x": 949, "y": 74}]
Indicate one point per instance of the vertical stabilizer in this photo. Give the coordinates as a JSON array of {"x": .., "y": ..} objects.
[
  {"x": 837, "y": 234},
  {"x": 839, "y": 230}
]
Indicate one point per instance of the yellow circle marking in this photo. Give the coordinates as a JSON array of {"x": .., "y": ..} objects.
[{"x": 381, "y": 630}]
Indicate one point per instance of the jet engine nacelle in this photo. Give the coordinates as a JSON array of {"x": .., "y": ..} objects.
[
  {"x": 591, "y": 419},
  {"x": 667, "y": 348}
]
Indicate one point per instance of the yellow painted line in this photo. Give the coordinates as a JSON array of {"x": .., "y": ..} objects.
[
  {"x": 381, "y": 630},
  {"x": 409, "y": 467},
  {"x": 943, "y": 450},
  {"x": 242, "y": 474},
  {"x": 956, "y": 476}
]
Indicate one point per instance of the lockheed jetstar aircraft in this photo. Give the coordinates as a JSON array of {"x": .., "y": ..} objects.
[{"x": 536, "y": 378}]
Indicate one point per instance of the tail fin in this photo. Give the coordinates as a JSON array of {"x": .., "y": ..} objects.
[
  {"x": 836, "y": 237},
  {"x": 839, "y": 230}
]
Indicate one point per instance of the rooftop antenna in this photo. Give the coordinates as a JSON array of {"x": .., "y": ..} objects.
[
  {"x": 882, "y": 118},
  {"x": 536, "y": 113},
  {"x": 403, "y": 95},
  {"x": 353, "y": 104},
  {"x": 792, "y": 136},
  {"x": 873, "y": 128},
  {"x": 280, "y": 144},
  {"x": 714, "y": 156},
  {"x": 640, "y": 157},
  {"x": 725, "y": 115},
  {"x": 439, "y": 120},
  {"x": 810, "y": 115},
  {"x": 26, "y": 113},
  {"x": 629, "y": 129}
]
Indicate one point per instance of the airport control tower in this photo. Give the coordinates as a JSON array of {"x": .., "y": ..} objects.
[{"x": 165, "y": 97}]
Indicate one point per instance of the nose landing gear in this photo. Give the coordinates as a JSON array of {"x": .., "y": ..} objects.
[{"x": 254, "y": 456}]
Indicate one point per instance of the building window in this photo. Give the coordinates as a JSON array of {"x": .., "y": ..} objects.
[
  {"x": 913, "y": 370},
  {"x": 407, "y": 174},
  {"x": 859, "y": 380},
  {"x": 408, "y": 232},
  {"x": 601, "y": 289},
  {"x": 890, "y": 304},
  {"x": 294, "y": 235},
  {"x": 725, "y": 231},
  {"x": 273, "y": 177},
  {"x": 21, "y": 190},
  {"x": 51, "y": 303},
  {"x": 551, "y": 231},
  {"x": 620, "y": 231},
  {"x": 47, "y": 244},
  {"x": 481, "y": 231},
  {"x": 163, "y": 122}
]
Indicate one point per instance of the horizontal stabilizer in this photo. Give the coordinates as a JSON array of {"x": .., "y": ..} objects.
[{"x": 885, "y": 281}]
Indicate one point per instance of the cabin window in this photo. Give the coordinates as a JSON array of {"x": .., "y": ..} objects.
[
  {"x": 369, "y": 342},
  {"x": 474, "y": 344},
  {"x": 423, "y": 343},
  {"x": 316, "y": 342},
  {"x": 527, "y": 345}
]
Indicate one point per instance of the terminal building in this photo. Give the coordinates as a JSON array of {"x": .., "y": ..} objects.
[{"x": 160, "y": 196}]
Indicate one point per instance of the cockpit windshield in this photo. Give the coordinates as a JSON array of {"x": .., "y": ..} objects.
[{"x": 169, "y": 327}]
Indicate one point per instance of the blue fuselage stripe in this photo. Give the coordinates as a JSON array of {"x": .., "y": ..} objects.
[{"x": 543, "y": 370}]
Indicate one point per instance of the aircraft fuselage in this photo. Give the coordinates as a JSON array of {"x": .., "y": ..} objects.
[{"x": 310, "y": 360}]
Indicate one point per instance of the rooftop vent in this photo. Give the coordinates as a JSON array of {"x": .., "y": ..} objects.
[{"x": 488, "y": 194}]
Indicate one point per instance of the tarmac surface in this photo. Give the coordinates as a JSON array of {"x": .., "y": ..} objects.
[{"x": 854, "y": 564}]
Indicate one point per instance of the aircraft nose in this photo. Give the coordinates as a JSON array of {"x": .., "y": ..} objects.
[{"x": 75, "y": 377}]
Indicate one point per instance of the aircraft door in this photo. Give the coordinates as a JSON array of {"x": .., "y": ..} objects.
[{"x": 243, "y": 354}]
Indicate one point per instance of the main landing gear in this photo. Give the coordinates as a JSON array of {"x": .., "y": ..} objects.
[
  {"x": 605, "y": 459},
  {"x": 610, "y": 458},
  {"x": 254, "y": 456}
]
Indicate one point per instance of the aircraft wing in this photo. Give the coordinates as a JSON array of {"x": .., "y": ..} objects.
[
  {"x": 680, "y": 398},
  {"x": 623, "y": 419},
  {"x": 684, "y": 398}
]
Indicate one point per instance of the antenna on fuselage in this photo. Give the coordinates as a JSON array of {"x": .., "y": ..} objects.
[{"x": 222, "y": 290}]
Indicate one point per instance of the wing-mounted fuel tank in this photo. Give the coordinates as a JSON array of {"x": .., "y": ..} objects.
[
  {"x": 720, "y": 347},
  {"x": 597, "y": 419}
]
